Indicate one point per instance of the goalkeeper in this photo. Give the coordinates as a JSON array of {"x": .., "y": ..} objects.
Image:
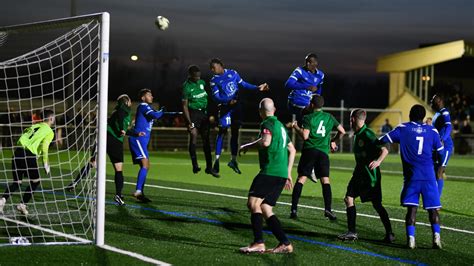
[{"x": 34, "y": 142}]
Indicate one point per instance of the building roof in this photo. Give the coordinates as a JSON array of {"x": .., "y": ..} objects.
[{"x": 421, "y": 57}]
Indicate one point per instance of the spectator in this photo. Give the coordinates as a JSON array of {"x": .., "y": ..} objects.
[
  {"x": 429, "y": 121},
  {"x": 455, "y": 126},
  {"x": 386, "y": 127},
  {"x": 466, "y": 127}
]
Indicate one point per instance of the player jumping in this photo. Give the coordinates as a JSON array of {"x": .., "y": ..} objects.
[
  {"x": 33, "y": 142},
  {"x": 195, "y": 112},
  {"x": 139, "y": 144},
  {"x": 366, "y": 178},
  {"x": 225, "y": 85},
  {"x": 276, "y": 155},
  {"x": 417, "y": 143},
  {"x": 316, "y": 132}
]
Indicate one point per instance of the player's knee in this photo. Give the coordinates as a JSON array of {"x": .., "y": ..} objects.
[
  {"x": 302, "y": 179},
  {"x": 324, "y": 180},
  {"x": 349, "y": 201},
  {"x": 118, "y": 167}
]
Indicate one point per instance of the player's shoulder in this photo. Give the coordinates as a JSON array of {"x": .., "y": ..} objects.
[
  {"x": 445, "y": 112},
  {"x": 369, "y": 132},
  {"x": 299, "y": 70},
  {"x": 320, "y": 73}
]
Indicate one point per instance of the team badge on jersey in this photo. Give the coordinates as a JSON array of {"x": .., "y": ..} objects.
[{"x": 361, "y": 143}]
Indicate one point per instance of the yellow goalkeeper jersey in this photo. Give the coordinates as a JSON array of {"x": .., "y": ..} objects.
[{"x": 37, "y": 139}]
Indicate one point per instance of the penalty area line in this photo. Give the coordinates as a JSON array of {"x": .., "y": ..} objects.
[{"x": 289, "y": 204}]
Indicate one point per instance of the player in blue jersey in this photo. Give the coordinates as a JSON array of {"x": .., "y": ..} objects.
[
  {"x": 417, "y": 143},
  {"x": 138, "y": 143},
  {"x": 442, "y": 122},
  {"x": 225, "y": 85},
  {"x": 303, "y": 83}
]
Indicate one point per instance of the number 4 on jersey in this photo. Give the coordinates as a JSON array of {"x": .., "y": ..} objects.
[{"x": 321, "y": 129}]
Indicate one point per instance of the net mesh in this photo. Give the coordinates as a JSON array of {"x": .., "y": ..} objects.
[{"x": 61, "y": 75}]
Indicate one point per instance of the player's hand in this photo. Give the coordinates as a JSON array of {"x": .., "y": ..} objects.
[
  {"x": 294, "y": 124},
  {"x": 263, "y": 87},
  {"x": 440, "y": 172},
  {"x": 313, "y": 88},
  {"x": 233, "y": 102},
  {"x": 122, "y": 132},
  {"x": 141, "y": 134},
  {"x": 47, "y": 168},
  {"x": 289, "y": 183},
  {"x": 191, "y": 126},
  {"x": 163, "y": 109},
  {"x": 334, "y": 146},
  {"x": 374, "y": 164},
  {"x": 242, "y": 150}
]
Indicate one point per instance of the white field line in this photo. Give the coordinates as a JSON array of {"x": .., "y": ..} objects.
[
  {"x": 289, "y": 204},
  {"x": 85, "y": 241}
]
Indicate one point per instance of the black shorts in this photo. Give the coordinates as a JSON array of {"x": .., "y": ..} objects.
[
  {"x": 114, "y": 149},
  {"x": 199, "y": 118},
  {"x": 360, "y": 185},
  {"x": 313, "y": 159},
  {"x": 24, "y": 163},
  {"x": 267, "y": 187}
]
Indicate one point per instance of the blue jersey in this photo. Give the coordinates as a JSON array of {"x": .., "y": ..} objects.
[
  {"x": 299, "y": 82},
  {"x": 144, "y": 119},
  {"x": 442, "y": 122},
  {"x": 224, "y": 87},
  {"x": 417, "y": 143}
]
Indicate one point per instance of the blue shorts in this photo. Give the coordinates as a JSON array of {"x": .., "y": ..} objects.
[
  {"x": 138, "y": 148},
  {"x": 428, "y": 189},
  {"x": 230, "y": 115}
]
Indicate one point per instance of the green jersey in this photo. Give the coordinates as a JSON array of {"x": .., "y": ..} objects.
[
  {"x": 37, "y": 139},
  {"x": 195, "y": 94},
  {"x": 274, "y": 158},
  {"x": 119, "y": 120},
  {"x": 320, "y": 125},
  {"x": 366, "y": 150}
]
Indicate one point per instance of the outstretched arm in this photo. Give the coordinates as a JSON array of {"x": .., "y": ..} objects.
[{"x": 291, "y": 160}]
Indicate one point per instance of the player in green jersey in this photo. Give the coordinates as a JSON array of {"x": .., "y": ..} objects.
[
  {"x": 276, "y": 155},
  {"x": 366, "y": 178},
  {"x": 195, "y": 112},
  {"x": 33, "y": 143},
  {"x": 316, "y": 132}
]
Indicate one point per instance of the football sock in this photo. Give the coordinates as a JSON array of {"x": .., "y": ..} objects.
[
  {"x": 276, "y": 229},
  {"x": 219, "y": 142},
  {"x": 234, "y": 144},
  {"x": 327, "y": 196},
  {"x": 435, "y": 228},
  {"x": 351, "y": 218},
  {"x": 192, "y": 153},
  {"x": 118, "y": 182},
  {"x": 10, "y": 189},
  {"x": 234, "y": 157},
  {"x": 29, "y": 192},
  {"x": 207, "y": 153},
  {"x": 295, "y": 197},
  {"x": 141, "y": 178},
  {"x": 257, "y": 226},
  {"x": 410, "y": 230},
  {"x": 383, "y": 217},
  {"x": 84, "y": 171},
  {"x": 440, "y": 186}
]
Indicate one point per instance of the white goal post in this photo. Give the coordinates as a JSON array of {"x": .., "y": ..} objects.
[{"x": 65, "y": 71}]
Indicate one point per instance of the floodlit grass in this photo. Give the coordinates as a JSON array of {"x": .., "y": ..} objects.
[{"x": 193, "y": 228}]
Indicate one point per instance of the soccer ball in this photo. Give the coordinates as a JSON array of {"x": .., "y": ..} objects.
[{"x": 162, "y": 23}]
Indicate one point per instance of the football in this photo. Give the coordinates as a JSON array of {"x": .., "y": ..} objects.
[{"x": 162, "y": 23}]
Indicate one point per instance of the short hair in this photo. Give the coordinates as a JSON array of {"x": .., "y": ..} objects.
[
  {"x": 417, "y": 113},
  {"x": 47, "y": 113},
  {"x": 215, "y": 61},
  {"x": 309, "y": 56},
  {"x": 317, "y": 101},
  {"x": 123, "y": 99},
  {"x": 359, "y": 114},
  {"x": 193, "y": 69},
  {"x": 143, "y": 92}
]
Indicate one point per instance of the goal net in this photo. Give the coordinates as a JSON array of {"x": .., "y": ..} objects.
[{"x": 61, "y": 65}]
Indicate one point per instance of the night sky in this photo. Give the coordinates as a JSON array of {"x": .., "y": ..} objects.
[{"x": 264, "y": 40}]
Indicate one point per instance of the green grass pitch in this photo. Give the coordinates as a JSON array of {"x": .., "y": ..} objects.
[{"x": 185, "y": 225}]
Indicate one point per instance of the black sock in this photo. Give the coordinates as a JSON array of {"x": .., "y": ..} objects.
[
  {"x": 118, "y": 183},
  {"x": 383, "y": 217},
  {"x": 295, "y": 197},
  {"x": 10, "y": 189},
  {"x": 192, "y": 153},
  {"x": 277, "y": 231},
  {"x": 257, "y": 226},
  {"x": 351, "y": 218},
  {"x": 29, "y": 192},
  {"x": 327, "y": 196}
]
